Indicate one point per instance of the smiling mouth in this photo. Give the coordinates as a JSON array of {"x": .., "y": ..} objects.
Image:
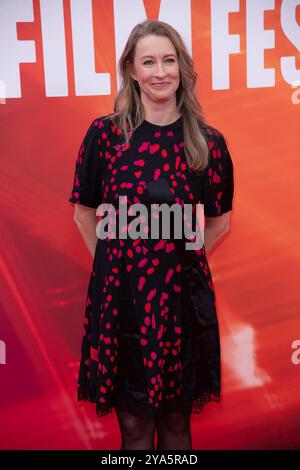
[{"x": 160, "y": 84}]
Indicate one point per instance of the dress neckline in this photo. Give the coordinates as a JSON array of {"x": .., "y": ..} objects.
[{"x": 162, "y": 126}]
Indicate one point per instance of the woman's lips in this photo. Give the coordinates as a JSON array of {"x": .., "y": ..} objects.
[{"x": 160, "y": 85}]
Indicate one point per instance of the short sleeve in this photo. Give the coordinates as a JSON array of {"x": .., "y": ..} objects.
[
  {"x": 88, "y": 169},
  {"x": 218, "y": 179}
]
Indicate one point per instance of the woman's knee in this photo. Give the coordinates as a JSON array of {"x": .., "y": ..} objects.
[
  {"x": 175, "y": 422},
  {"x": 134, "y": 428}
]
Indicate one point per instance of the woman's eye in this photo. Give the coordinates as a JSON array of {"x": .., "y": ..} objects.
[{"x": 170, "y": 58}]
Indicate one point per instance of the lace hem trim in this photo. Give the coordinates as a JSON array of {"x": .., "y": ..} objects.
[{"x": 102, "y": 409}]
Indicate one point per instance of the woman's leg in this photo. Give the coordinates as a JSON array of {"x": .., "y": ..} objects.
[
  {"x": 173, "y": 431},
  {"x": 137, "y": 433}
]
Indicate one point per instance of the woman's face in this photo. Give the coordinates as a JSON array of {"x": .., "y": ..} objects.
[{"x": 156, "y": 68}]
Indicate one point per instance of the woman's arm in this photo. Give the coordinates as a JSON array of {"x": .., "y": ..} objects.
[
  {"x": 86, "y": 221},
  {"x": 215, "y": 229}
]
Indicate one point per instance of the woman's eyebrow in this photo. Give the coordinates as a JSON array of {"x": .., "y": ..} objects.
[{"x": 166, "y": 55}]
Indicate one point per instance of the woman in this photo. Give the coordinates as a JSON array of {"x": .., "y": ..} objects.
[{"x": 151, "y": 345}]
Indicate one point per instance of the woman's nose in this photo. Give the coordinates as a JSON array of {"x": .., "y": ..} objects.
[{"x": 160, "y": 71}]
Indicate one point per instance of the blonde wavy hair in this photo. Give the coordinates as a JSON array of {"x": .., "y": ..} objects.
[{"x": 129, "y": 110}]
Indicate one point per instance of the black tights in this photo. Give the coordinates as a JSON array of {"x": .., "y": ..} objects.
[{"x": 173, "y": 431}]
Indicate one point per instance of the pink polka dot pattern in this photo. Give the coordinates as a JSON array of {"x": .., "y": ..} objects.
[{"x": 173, "y": 351}]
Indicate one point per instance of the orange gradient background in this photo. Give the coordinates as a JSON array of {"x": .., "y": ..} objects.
[{"x": 45, "y": 265}]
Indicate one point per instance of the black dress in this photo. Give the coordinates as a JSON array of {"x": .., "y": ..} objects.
[{"x": 151, "y": 342}]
